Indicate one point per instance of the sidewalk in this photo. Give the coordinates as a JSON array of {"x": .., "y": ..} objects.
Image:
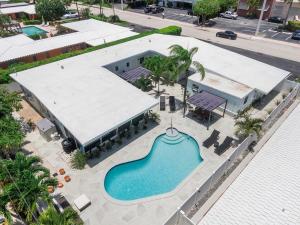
[{"x": 257, "y": 44}]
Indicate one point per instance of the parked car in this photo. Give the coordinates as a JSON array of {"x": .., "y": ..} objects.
[
  {"x": 227, "y": 34},
  {"x": 70, "y": 15},
  {"x": 229, "y": 15},
  {"x": 296, "y": 35},
  {"x": 275, "y": 19},
  {"x": 153, "y": 9}
]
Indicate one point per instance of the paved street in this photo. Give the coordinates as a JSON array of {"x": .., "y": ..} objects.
[
  {"x": 241, "y": 25},
  {"x": 270, "y": 47}
]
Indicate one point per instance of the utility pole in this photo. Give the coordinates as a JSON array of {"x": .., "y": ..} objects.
[{"x": 260, "y": 17}]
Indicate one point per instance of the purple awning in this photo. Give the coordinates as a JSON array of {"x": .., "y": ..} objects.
[
  {"x": 135, "y": 74},
  {"x": 206, "y": 101}
]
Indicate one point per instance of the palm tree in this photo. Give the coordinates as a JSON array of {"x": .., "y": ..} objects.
[
  {"x": 143, "y": 83},
  {"x": 52, "y": 217},
  {"x": 113, "y": 8},
  {"x": 247, "y": 125},
  {"x": 24, "y": 182},
  {"x": 290, "y": 2},
  {"x": 183, "y": 58},
  {"x": 156, "y": 64}
]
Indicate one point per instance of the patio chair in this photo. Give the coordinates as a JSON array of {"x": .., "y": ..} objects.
[
  {"x": 172, "y": 103},
  {"x": 162, "y": 103},
  {"x": 211, "y": 139},
  {"x": 224, "y": 146}
]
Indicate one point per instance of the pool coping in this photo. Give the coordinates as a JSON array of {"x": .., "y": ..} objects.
[{"x": 154, "y": 197}]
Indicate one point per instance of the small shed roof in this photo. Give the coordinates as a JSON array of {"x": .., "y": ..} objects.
[
  {"x": 44, "y": 125},
  {"x": 206, "y": 101},
  {"x": 135, "y": 74}
]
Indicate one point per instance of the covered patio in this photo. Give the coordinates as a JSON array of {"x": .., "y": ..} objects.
[
  {"x": 204, "y": 103},
  {"x": 135, "y": 74}
]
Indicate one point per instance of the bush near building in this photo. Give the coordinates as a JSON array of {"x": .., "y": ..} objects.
[
  {"x": 293, "y": 25},
  {"x": 32, "y": 22},
  {"x": 4, "y": 73}
]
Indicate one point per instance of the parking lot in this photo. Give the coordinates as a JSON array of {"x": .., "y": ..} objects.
[{"x": 241, "y": 25}]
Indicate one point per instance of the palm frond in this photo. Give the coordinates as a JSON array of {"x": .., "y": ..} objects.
[{"x": 199, "y": 68}]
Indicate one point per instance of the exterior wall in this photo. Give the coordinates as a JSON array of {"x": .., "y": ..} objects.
[
  {"x": 243, "y": 9},
  {"x": 234, "y": 104},
  {"x": 44, "y": 55}
]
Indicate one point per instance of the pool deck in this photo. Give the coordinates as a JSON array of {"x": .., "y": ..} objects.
[{"x": 90, "y": 181}]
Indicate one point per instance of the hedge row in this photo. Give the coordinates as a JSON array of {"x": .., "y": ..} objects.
[
  {"x": 4, "y": 73},
  {"x": 293, "y": 25},
  {"x": 32, "y": 22}
]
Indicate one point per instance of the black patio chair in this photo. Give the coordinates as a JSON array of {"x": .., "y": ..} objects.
[
  {"x": 172, "y": 103},
  {"x": 162, "y": 103},
  {"x": 224, "y": 146},
  {"x": 211, "y": 139}
]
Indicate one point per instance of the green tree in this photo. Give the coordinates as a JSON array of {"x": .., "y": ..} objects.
[
  {"x": 50, "y": 9},
  {"x": 9, "y": 102},
  {"x": 247, "y": 125},
  {"x": 11, "y": 136},
  {"x": 253, "y": 5},
  {"x": 206, "y": 8},
  {"x": 78, "y": 160},
  {"x": 52, "y": 217},
  {"x": 157, "y": 65},
  {"x": 4, "y": 19},
  {"x": 24, "y": 182},
  {"x": 144, "y": 83},
  {"x": 227, "y": 4},
  {"x": 183, "y": 59}
]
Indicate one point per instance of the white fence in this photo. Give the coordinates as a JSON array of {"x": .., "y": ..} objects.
[{"x": 195, "y": 201}]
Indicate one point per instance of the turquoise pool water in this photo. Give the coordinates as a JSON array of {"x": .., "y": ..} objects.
[
  {"x": 170, "y": 161},
  {"x": 33, "y": 30}
]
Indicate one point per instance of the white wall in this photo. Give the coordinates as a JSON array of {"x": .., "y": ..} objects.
[{"x": 234, "y": 104}]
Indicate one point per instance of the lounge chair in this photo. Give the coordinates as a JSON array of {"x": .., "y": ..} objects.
[
  {"x": 224, "y": 146},
  {"x": 162, "y": 103},
  {"x": 172, "y": 103},
  {"x": 211, "y": 139}
]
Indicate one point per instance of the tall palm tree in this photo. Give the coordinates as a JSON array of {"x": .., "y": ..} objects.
[
  {"x": 52, "y": 217},
  {"x": 24, "y": 182},
  {"x": 247, "y": 125},
  {"x": 113, "y": 7},
  {"x": 184, "y": 59},
  {"x": 290, "y": 3}
]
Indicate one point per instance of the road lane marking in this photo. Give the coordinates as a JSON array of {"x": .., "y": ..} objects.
[
  {"x": 274, "y": 35},
  {"x": 288, "y": 37}
]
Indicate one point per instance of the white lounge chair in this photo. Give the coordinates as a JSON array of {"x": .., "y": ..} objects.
[{"x": 82, "y": 202}]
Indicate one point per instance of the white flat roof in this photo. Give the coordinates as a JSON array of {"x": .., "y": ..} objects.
[
  {"x": 84, "y": 76},
  {"x": 91, "y": 37},
  {"x": 222, "y": 84},
  {"x": 268, "y": 190},
  {"x": 7, "y": 43},
  {"x": 29, "y": 9}
]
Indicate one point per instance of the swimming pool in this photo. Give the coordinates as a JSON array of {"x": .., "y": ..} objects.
[
  {"x": 171, "y": 159},
  {"x": 33, "y": 30}
]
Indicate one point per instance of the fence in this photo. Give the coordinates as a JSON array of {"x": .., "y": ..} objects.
[{"x": 197, "y": 199}]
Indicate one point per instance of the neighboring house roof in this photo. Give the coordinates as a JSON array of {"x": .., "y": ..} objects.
[
  {"x": 29, "y": 9},
  {"x": 82, "y": 93},
  {"x": 267, "y": 191},
  {"x": 100, "y": 33}
]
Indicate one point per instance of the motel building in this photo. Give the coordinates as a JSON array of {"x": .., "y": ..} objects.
[{"x": 90, "y": 98}]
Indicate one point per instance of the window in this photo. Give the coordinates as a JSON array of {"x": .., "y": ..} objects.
[
  {"x": 141, "y": 60},
  {"x": 195, "y": 88},
  {"x": 116, "y": 68},
  {"x": 246, "y": 99},
  {"x": 128, "y": 64}
]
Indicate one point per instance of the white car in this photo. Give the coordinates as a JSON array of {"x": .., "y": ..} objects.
[
  {"x": 70, "y": 15},
  {"x": 229, "y": 15}
]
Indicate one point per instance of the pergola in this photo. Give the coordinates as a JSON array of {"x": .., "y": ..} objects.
[
  {"x": 135, "y": 74},
  {"x": 207, "y": 101}
]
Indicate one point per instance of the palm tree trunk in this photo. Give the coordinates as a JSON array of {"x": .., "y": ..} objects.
[
  {"x": 77, "y": 10},
  {"x": 100, "y": 7},
  {"x": 288, "y": 12},
  {"x": 113, "y": 7},
  {"x": 184, "y": 92},
  {"x": 158, "y": 88}
]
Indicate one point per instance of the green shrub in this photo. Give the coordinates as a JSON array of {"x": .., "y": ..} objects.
[
  {"x": 113, "y": 19},
  {"x": 172, "y": 30},
  {"x": 17, "y": 67},
  {"x": 35, "y": 36},
  {"x": 101, "y": 17},
  {"x": 32, "y": 22},
  {"x": 78, "y": 160},
  {"x": 293, "y": 25}
]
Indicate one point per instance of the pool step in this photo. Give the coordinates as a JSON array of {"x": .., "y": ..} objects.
[{"x": 173, "y": 140}]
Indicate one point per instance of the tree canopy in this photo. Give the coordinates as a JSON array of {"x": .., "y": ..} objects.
[
  {"x": 206, "y": 8},
  {"x": 227, "y": 4},
  {"x": 50, "y": 9}
]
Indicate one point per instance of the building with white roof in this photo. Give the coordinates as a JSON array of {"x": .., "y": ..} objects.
[
  {"x": 84, "y": 96},
  {"x": 14, "y": 10},
  {"x": 88, "y": 33},
  {"x": 267, "y": 191}
]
